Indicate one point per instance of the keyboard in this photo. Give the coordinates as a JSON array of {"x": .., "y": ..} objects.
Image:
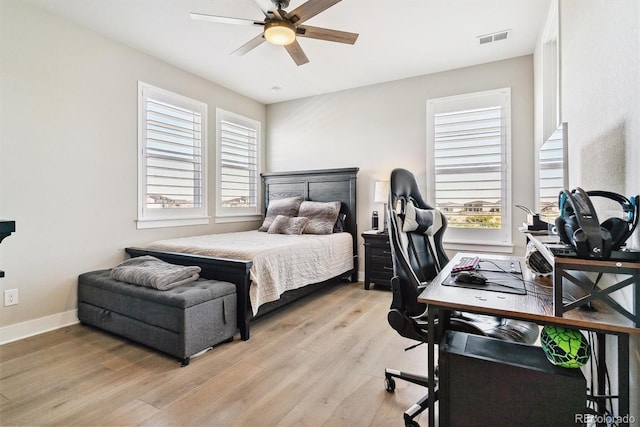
[{"x": 465, "y": 264}]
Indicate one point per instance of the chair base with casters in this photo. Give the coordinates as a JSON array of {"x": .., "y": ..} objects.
[
  {"x": 418, "y": 407},
  {"x": 390, "y": 383}
]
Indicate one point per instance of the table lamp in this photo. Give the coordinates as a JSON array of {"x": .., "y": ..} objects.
[{"x": 381, "y": 195}]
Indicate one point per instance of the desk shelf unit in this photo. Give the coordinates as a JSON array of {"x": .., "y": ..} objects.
[{"x": 573, "y": 270}]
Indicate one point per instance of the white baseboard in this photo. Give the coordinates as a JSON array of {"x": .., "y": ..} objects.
[{"x": 30, "y": 328}]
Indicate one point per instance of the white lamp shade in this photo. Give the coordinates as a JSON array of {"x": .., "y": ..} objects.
[{"x": 381, "y": 193}]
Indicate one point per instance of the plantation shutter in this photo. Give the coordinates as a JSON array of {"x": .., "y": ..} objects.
[
  {"x": 238, "y": 164},
  {"x": 551, "y": 172},
  {"x": 469, "y": 167},
  {"x": 173, "y": 155},
  {"x": 468, "y": 160},
  {"x": 172, "y": 159}
]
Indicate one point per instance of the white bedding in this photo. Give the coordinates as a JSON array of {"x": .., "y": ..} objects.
[{"x": 280, "y": 262}]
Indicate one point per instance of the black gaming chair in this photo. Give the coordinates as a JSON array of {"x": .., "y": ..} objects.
[{"x": 415, "y": 232}]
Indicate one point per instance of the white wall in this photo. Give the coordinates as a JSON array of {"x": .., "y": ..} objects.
[
  {"x": 381, "y": 127},
  {"x": 68, "y": 155},
  {"x": 601, "y": 93},
  {"x": 600, "y": 101}
]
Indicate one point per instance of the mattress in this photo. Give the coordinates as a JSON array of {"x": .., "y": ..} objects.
[{"x": 280, "y": 262}]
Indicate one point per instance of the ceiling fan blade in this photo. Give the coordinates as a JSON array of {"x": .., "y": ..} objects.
[
  {"x": 308, "y": 10},
  {"x": 296, "y": 52},
  {"x": 251, "y": 44},
  {"x": 264, "y": 5},
  {"x": 224, "y": 19},
  {"x": 326, "y": 34}
]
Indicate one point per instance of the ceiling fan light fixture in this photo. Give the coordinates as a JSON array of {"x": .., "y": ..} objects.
[{"x": 280, "y": 33}]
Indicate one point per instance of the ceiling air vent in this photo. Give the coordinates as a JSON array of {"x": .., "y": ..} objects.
[{"x": 488, "y": 38}]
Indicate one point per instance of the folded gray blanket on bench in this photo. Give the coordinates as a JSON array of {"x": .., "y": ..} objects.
[{"x": 153, "y": 272}]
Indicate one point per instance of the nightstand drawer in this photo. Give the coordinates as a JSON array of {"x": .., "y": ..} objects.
[
  {"x": 380, "y": 241},
  {"x": 382, "y": 272},
  {"x": 381, "y": 251}
]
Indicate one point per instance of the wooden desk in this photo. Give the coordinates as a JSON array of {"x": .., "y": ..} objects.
[{"x": 536, "y": 306}]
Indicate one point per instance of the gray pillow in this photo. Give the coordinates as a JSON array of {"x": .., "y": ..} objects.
[
  {"x": 288, "y": 225},
  {"x": 287, "y": 207},
  {"x": 322, "y": 216}
]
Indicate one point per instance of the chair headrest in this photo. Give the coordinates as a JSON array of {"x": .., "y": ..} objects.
[{"x": 427, "y": 221}]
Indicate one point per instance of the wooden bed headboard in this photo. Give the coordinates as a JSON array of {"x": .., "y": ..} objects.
[{"x": 321, "y": 185}]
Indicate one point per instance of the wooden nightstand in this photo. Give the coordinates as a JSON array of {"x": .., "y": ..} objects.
[{"x": 378, "y": 266}]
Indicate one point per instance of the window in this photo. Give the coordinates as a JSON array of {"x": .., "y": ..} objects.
[
  {"x": 468, "y": 138},
  {"x": 238, "y": 143},
  {"x": 172, "y": 173},
  {"x": 552, "y": 177}
]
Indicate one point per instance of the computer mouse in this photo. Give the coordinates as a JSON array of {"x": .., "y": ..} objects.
[{"x": 470, "y": 277}]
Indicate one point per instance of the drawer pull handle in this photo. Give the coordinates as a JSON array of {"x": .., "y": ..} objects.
[
  {"x": 386, "y": 252},
  {"x": 388, "y": 268}
]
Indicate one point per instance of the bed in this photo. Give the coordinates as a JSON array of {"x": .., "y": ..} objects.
[{"x": 243, "y": 258}]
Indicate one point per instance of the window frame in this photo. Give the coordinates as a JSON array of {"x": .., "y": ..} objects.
[
  {"x": 497, "y": 240},
  {"x": 170, "y": 217},
  {"x": 237, "y": 214}
]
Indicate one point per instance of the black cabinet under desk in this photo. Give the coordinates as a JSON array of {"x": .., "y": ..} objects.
[{"x": 489, "y": 382}]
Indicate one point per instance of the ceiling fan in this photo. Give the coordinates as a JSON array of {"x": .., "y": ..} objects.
[{"x": 282, "y": 28}]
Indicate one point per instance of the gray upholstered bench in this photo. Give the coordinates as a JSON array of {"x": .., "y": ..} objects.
[{"x": 181, "y": 321}]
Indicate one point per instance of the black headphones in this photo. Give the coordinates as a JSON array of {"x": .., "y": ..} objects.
[{"x": 579, "y": 227}]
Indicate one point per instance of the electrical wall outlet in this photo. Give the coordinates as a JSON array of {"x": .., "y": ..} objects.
[{"x": 10, "y": 297}]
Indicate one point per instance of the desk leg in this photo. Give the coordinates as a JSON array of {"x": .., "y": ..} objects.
[
  {"x": 623, "y": 377},
  {"x": 557, "y": 291},
  {"x": 601, "y": 349},
  {"x": 636, "y": 293},
  {"x": 431, "y": 367}
]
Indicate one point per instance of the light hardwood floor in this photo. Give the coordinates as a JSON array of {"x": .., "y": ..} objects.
[{"x": 318, "y": 362}]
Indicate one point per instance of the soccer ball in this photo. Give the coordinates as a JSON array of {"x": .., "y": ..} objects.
[{"x": 565, "y": 347}]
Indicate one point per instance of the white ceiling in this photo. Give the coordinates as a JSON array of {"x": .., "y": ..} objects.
[{"x": 398, "y": 39}]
